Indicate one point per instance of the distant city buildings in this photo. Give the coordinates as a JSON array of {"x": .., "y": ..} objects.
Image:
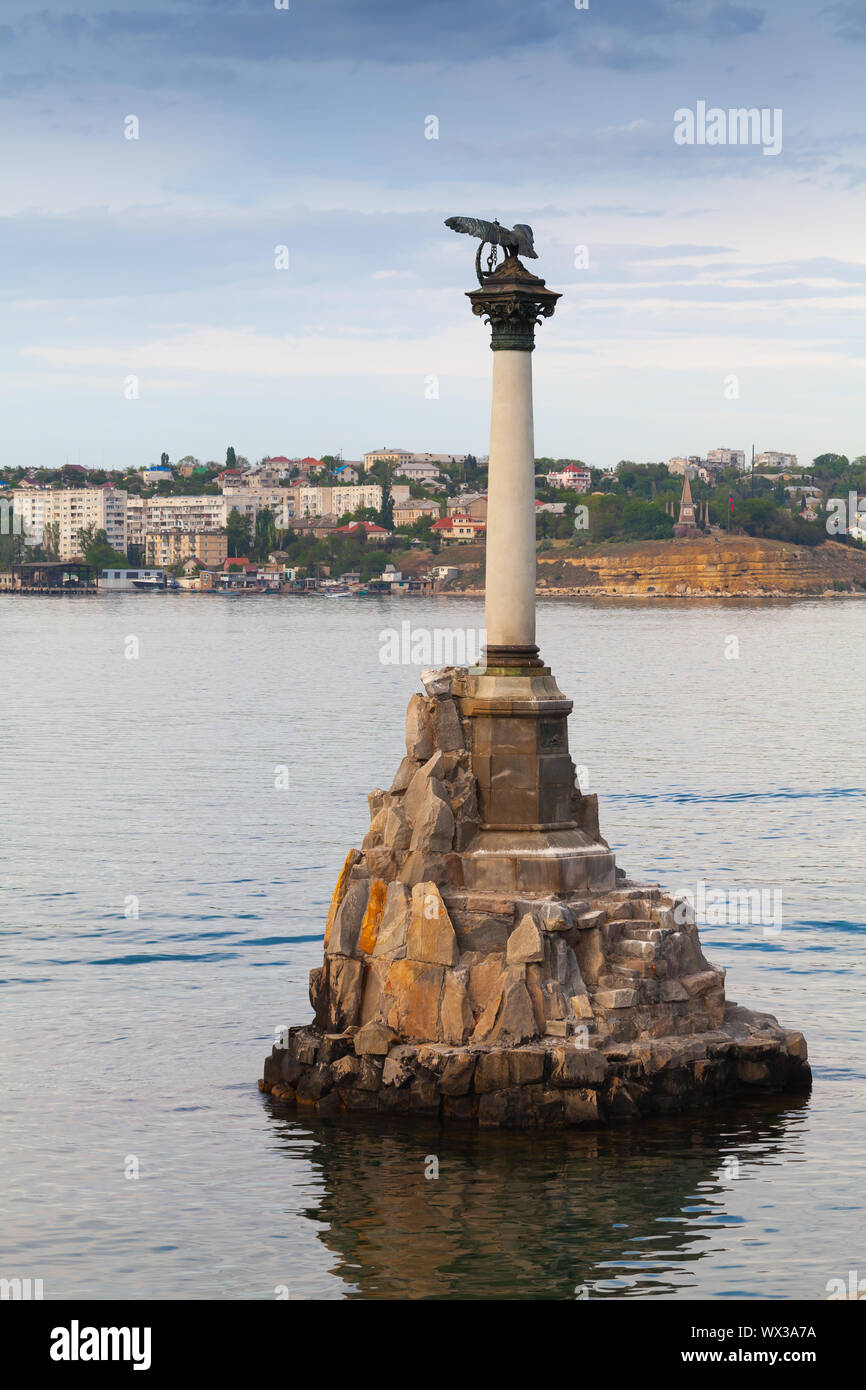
[
  {"x": 54, "y": 517},
  {"x": 169, "y": 548},
  {"x": 772, "y": 459},
  {"x": 727, "y": 458},
  {"x": 313, "y": 500},
  {"x": 396, "y": 457},
  {"x": 408, "y": 512}
]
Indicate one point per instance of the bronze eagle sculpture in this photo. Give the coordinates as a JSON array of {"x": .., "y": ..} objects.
[{"x": 516, "y": 242}]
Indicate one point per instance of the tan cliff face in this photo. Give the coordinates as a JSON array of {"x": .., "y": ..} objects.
[{"x": 740, "y": 565}]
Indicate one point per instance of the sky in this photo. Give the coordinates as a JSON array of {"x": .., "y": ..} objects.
[{"x": 718, "y": 301}]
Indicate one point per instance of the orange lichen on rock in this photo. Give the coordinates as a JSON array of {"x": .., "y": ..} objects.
[
  {"x": 373, "y": 916},
  {"x": 340, "y": 891}
]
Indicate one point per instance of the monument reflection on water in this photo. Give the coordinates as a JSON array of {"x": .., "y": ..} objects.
[{"x": 622, "y": 1212}]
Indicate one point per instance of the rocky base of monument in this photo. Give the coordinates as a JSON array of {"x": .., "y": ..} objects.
[{"x": 500, "y": 1009}]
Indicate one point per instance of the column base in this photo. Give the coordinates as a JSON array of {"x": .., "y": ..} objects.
[{"x": 538, "y": 862}]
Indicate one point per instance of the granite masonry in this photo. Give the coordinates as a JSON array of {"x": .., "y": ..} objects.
[{"x": 441, "y": 996}]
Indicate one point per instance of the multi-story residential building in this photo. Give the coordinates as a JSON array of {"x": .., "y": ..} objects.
[
  {"x": 249, "y": 501},
  {"x": 772, "y": 459},
  {"x": 407, "y": 513},
  {"x": 319, "y": 501},
  {"x": 418, "y": 471},
  {"x": 205, "y": 513},
  {"x": 169, "y": 548},
  {"x": 726, "y": 458},
  {"x": 157, "y": 475},
  {"x": 397, "y": 457},
  {"x": 67, "y": 511},
  {"x": 571, "y": 476},
  {"x": 471, "y": 504}
]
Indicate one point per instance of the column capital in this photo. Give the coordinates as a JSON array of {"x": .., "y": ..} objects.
[{"x": 512, "y": 300}]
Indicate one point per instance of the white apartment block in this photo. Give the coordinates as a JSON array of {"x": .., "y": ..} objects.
[
  {"x": 334, "y": 501},
  {"x": 771, "y": 459},
  {"x": 249, "y": 501},
  {"x": 71, "y": 510},
  {"x": 173, "y": 513},
  {"x": 727, "y": 458}
]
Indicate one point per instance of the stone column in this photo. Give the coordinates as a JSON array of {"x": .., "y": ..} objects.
[
  {"x": 510, "y": 580},
  {"x": 515, "y": 713},
  {"x": 512, "y": 300}
]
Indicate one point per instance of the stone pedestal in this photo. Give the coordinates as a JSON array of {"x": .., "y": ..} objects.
[
  {"x": 529, "y": 841},
  {"x": 506, "y": 974}
]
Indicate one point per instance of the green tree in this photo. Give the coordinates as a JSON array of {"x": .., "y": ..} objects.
[
  {"x": 98, "y": 550},
  {"x": 238, "y": 532},
  {"x": 231, "y": 457},
  {"x": 265, "y": 535},
  {"x": 386, "y": 513}
]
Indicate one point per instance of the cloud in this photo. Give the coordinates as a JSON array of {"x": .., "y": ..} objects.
[{"x": 850, "y": 21}]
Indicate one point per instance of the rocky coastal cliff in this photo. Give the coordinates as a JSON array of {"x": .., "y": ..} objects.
[{"x": 712, "y": 566}]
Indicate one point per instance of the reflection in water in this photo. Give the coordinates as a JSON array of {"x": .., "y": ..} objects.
[{"x": 623, "y": 1212}]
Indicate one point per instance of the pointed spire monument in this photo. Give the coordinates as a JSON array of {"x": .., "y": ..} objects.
[{"x": 687, "y": 525}]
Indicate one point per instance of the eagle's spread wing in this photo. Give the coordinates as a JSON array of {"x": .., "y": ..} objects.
[
  {"x": 525, "y": 243},
  {"x": 474, "y": 226}
]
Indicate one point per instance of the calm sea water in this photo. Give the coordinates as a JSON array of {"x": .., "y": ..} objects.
[{"x": 134, "y": 1042}]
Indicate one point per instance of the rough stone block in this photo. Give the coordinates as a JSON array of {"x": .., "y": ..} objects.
[
  {"x": 344, "y": 1071},
  {"x": 339, "y": 891},
  {"x": 394, "y": 926},
  {"x": 417, "y": 789},
  {"x": 431, "y": 936},
  {"x": 456, "y": 1014},
  {"x": 419, "y": 730},
  {"x": 413, "y": 990},
  {"x": 433, "y": 820},
  {"x": 581, "y": 1107},
  {"x": 347, "y": 923},
  {"x": 397, "y": 832},
  {"x": 525, "y": 943},
  {"x": 615, "y": 998},
  {"x": 419, "y": 866},
  {"x": 576, "y": 1066},
  {"x": 399, "y": 1067},
  {"x": 449, "y": 733},
  {"x": 374, "y": 1038},
  {"x": 345, "y": 987},
  {"x": 457, "y": 1074}
]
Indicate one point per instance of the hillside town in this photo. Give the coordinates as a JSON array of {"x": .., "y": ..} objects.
[{"x": 380, "y": 523}]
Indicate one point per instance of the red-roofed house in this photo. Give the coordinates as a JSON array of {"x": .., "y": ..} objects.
[
  {"x": 578, "y": 479},
  {"x": 367, "y": 528},
  {"x": 459, "y": 528},
  {"x": 239, "y": 562}
]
